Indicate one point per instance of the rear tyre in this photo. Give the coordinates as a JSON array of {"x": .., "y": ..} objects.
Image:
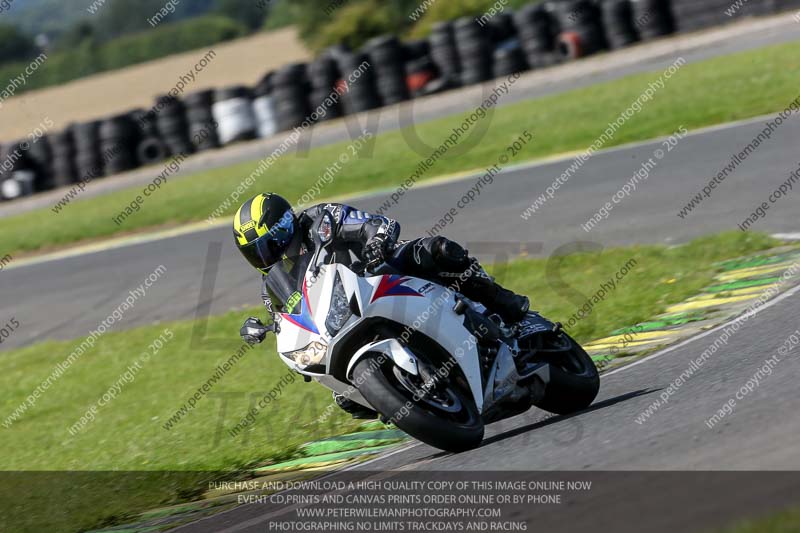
[
  {"x": 447, "y": 419},
  {"x": 574, "y": 379}
]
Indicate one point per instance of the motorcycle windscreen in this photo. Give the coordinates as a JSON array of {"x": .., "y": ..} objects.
[{"x": 285, "y": 281}]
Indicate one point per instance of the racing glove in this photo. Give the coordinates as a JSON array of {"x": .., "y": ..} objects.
[
  {"x": 376, "y": 250},
  {"x": 253, "y": 331}
]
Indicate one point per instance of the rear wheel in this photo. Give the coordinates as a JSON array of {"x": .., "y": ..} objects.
[
  {"x": 574, "y": 379},
  {"x": 437, "y": 411}
]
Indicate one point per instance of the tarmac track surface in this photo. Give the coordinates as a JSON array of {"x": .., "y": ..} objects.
[
  {"x": 67, "y": 298},
  {"x": 670, "y": 473}
]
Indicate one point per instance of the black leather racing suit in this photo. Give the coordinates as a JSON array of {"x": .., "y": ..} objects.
[{"x": 432, "y": 258}]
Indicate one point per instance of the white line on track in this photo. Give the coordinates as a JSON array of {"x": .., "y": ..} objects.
[
  {"x": 787, "y": 236},
  {"x": 201, "y": 226}
]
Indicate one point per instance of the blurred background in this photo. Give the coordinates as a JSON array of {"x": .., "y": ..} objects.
[{"x": 86, "y": 76}]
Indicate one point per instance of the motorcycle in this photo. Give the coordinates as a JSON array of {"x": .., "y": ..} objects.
[{"x": 423, "y": 356}]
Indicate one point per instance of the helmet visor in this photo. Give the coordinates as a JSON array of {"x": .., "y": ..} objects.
[{"x": 268, "y": 249}]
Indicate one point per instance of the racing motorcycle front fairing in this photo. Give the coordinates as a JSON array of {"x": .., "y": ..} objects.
[{"x": 334, "y": 324}]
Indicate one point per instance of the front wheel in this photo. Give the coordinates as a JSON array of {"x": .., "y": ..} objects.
[
  {"x": 574, "y": 379},
  {"x": 439, "y": 413}
]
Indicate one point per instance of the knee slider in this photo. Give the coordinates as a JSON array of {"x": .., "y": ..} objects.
[{"x": 449, "y": 255}]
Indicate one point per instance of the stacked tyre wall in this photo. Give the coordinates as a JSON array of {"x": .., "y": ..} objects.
[{"x": 385, "y": 71}]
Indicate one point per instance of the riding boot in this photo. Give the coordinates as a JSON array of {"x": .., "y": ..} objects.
[
  {"x": 356, "y": 410},
  {"x": 443, "y": 259},
  {"x": 481, "y": 287}
]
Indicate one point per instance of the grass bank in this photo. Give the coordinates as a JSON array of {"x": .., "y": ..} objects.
[{"x": 710, "y": 92}]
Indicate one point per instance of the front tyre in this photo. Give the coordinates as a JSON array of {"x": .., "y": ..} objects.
[
  {"x": 574, "y": 379},
  {"x": 443, "y": 416}
]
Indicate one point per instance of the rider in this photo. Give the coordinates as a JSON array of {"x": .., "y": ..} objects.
[{"x": 267, "y": 231}]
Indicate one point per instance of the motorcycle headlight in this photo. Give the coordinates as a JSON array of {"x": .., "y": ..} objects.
[
  {"x": 339, "y": 312},
  {"x": 312, "y": 354}
]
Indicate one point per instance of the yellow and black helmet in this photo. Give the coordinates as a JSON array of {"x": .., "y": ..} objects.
[{"x": 263, "y": 228}]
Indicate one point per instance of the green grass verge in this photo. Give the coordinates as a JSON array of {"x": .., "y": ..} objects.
[
  {"x": 784, "y": 522},
  {"x": 709, "y": 92},
  {"x": 128, "y": 432}
]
